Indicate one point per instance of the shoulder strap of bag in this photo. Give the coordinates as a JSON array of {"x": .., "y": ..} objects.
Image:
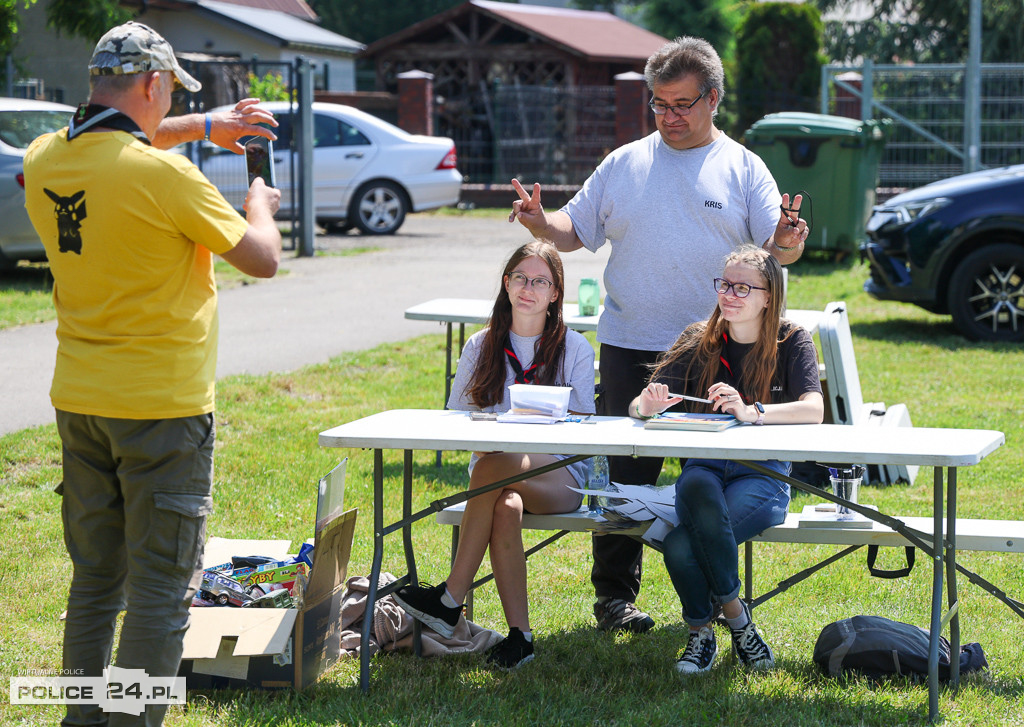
[{"x": 899, "y": 572}]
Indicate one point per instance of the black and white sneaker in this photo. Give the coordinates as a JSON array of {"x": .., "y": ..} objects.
[
  {"x": 749, "y": 647},
  {"x": 511, "y": 652},
  {"x": 424, "y": 604},
  {"x": 700, "y": 651}
]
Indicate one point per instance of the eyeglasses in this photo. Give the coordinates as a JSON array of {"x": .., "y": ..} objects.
[
  {"x": 683, "y": 109},
  {"x": 519, "y": 280},
  {"x": 740, "y": 290}
]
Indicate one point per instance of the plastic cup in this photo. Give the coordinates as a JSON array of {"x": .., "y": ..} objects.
[
  {"x": 846, "y": 484},
  {"x": 589, "y": 296}
]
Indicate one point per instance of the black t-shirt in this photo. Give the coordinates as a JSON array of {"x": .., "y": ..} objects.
[{"x": 796, "y": 369}]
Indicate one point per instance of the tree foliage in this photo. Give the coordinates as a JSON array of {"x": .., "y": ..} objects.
[
  {"x": 923, "y": 31},
  {"x": 371, "y": 20},
  {"x": 9, "y": 23},
  {"x": 712, "y": 20},
  {"x": 88, "y": 19},
  {"x": 778, "y": 60}
]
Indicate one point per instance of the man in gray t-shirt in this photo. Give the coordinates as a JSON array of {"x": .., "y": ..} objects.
[{"x": 672, "y": 205}]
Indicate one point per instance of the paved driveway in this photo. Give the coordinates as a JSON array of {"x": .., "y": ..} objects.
[{"x": 323, "y": 306}]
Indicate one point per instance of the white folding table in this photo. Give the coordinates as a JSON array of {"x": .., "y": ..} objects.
[{"x": 943, "y": 449}]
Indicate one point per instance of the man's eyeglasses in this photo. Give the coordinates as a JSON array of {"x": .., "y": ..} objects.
[
  {"x": 519, "y": 280},
  {"x": 740, "y": 290},
  {"x": 683, "y": 109}
]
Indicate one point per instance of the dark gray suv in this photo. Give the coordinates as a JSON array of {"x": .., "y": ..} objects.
[{"x": 955, "y": 246}]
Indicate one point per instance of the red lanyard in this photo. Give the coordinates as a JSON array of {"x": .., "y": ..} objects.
[{"x": 728, "y": 367}]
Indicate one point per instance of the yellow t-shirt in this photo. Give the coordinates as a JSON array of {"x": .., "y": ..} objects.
[{"x": 129, "y": 231}]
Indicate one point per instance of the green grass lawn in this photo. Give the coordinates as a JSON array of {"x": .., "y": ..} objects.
[{"x": 268, "y": 463}]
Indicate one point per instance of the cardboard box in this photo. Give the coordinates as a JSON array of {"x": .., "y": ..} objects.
[{"x": 274, "y": 648}]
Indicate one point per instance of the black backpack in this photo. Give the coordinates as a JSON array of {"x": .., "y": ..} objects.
[{"x": 878, "y": 647}]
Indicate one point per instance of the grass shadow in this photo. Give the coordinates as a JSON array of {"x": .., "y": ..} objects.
[
  {"x": 939, "y": 333},
  {"x": 27, "y": 278}
]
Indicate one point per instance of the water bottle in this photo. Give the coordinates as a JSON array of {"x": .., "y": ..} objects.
[
  {"x": 598, "y": 479},
  {"x": 589, "y": 296}
]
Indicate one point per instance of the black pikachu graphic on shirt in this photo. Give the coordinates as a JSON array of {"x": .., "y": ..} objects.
[{"x": 69, "y": 214}]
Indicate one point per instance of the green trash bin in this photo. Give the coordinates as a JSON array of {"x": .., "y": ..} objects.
[{"x": 833, "y": 158}]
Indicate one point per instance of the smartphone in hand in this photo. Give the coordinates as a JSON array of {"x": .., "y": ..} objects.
[{"x": 259, "y": 160}]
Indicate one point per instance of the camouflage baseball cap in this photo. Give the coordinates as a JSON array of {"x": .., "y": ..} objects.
[{"x": 137, "y": 48}]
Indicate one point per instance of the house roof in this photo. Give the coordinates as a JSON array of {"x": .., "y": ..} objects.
[
  {"x": 597, "y": 36},
  {"x": 298, "y": 8},
  {"x": 279, "y": 28},
  {"x": 593, "y": 34}
]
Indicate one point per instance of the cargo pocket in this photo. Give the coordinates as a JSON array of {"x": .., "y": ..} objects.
[{"x": 178, "y": 530}]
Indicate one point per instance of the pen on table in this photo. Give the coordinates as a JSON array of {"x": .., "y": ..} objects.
[{"x": 690, "y": 398}]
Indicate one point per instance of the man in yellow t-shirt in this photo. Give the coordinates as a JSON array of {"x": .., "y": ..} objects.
[{"x": 130, "y": 231}]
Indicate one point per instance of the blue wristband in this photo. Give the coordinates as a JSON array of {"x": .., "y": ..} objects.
[{"x": 209, "y": 123}]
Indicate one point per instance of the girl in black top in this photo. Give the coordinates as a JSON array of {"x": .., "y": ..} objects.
[{"x": 762, "y": 369}]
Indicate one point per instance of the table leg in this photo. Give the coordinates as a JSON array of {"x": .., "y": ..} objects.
[
  {"x": 410, "y": 555},
  {"x": 935, "y": 632},
  {"x": 378, "y": 553},
  {"x": 952, "y": 595},
  {"x": 748, "y": 571},
  {"x": 448, "y": 369}
]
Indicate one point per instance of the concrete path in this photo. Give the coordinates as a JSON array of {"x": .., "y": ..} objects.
[{"x": 317, "y": 307}]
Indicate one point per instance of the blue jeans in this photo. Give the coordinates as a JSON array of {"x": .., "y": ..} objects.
[{"x": 720, "y": 504}]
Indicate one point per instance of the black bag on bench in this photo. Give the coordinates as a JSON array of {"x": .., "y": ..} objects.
[{"x": 879, "y": 647}]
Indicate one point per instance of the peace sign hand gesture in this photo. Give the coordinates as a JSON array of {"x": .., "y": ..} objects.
[
  {"x": 527, "y": 209},
  {"x": 791, "y": 232}
]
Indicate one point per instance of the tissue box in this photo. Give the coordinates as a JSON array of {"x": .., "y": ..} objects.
[{"x": 550, "y": 401}]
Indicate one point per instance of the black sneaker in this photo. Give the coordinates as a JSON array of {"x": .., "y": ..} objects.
[
  {"x": 618, "y": 614},
  {"x": 424, "y": 604},
  {"x": 511, "y": 652},
  {"x": 700, "y": 651},
  {"x": 749, "y": 647}
]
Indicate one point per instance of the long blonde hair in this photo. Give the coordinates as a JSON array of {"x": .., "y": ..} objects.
[{"x": 704, "y": 342}]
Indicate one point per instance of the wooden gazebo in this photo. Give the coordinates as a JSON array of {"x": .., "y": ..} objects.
[{"x": 524, "y": 90}]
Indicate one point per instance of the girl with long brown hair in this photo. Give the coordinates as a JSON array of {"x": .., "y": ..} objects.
[
  {"x": 525, "y": 342},
  {"x": 749, "y": 362}
]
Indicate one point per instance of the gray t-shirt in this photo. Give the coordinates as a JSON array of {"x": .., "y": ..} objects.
[
  {"x": 576, "y": 370},
  {"x": 671, "y": 217}
]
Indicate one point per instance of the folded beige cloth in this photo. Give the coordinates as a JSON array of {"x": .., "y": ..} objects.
[{"x": 392, "y": 626}]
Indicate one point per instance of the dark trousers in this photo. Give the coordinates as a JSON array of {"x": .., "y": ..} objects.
[
  {"x": 617, "y": 558},
  {"x": 136, "y": 493}
]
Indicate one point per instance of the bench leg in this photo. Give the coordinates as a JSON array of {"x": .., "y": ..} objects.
[{"x": 455, "y": 549}]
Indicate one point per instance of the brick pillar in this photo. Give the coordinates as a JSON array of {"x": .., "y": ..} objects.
[
  {"x": 847, "y": 103},
  {"x": 416, "y": 102},
  {"x": 632, "y": 116}
]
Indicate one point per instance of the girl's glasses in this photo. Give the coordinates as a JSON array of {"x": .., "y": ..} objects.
[
  {"x": 518, "y": 280},
  {"x": 740, "y": 290}
]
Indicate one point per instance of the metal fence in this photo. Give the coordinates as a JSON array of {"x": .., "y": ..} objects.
[
  {"x": 928, "y": 107},
  {"x": 546, "y": 134},
  {"x": 224, "y": 83}
]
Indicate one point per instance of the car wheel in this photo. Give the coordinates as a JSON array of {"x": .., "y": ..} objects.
[
  {"x": 222, "y": 599},
  {"x": 378, "y": 208},
  {"x": 986, "y": 294}
]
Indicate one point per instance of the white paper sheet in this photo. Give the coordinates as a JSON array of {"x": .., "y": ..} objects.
[{"x": 625, "y": 505}]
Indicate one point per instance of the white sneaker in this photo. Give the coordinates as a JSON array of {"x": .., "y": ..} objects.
[{"x": 700, "y": 652}]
